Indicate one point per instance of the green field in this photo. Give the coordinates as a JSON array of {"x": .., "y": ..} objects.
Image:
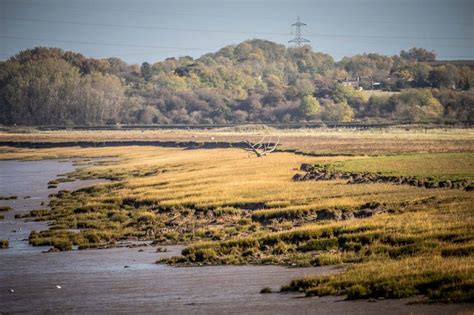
[{"x": 452, "y": 166}]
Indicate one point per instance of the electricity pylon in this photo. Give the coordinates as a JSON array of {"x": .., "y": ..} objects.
[{"x": 298, "y": 40}]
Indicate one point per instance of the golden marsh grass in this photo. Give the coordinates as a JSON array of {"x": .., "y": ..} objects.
[{"x": 231, "y": 207}]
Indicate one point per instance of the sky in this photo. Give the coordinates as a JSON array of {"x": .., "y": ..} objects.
[{"x": 152, "y": 30}]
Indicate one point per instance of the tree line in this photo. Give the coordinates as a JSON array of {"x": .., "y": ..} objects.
[{"x": 254, "y": 81}]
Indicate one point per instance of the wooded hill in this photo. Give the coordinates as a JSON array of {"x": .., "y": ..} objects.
[{"x": 254, "y": 81}]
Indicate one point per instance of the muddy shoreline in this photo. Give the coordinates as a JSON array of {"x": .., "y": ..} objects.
[
  {"x": 127, "y": 280},
  {"x": 99, "y": 144}
]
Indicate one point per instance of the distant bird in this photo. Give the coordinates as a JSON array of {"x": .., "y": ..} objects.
[
  {"x": 11, "y": 290},
  {"x": 58, "y": 286}
]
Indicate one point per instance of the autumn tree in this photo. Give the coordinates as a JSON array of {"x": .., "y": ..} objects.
[
  {"x": 254, "y": 81},
  {"x": 42, "y": 92},
  {"x": 417, "y": 106},
  {"x": 332, "y": 111},
  {"x": 309, "y": 107},
  {"x": 146, "y": 71},
  {"x": 418, "y": 54}
]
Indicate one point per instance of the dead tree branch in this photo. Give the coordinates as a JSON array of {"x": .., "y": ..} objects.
[{"x": 262, "y": 147}]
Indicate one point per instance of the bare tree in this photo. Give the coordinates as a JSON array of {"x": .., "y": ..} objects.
[{"x": 262, "y": 147}]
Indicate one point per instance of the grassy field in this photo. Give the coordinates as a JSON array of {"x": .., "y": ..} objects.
[
  {"x": 230, "y": 207},
  {"x": 452, "y": 166},
  {"x": 319, "y": 141}
]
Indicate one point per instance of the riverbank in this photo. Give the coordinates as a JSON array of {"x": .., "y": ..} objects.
[{"x": 155, "y": 194}]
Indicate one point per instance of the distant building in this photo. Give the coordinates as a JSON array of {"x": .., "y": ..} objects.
[
  {"x": 376, "y": 85},
  {"x": 357, "y": 84},
  {"x": 351, "y": 82}
]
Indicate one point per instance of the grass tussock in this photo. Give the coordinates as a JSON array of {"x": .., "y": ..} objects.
[
  {"x": 5, "y": 208},
  {"x": 4, "y": 244},
  {"x": 445, "y": 279},
  {"x": 8, "y": 197}
]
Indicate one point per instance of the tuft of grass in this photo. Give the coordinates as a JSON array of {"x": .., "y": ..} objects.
[
  {"x": 266, "y": 290},
  {"x": 5, "y": 208},
  {"x": 4, "y": 244},
  {"x": 8, "y": 197},
  {"x": 442, "y": 279}
]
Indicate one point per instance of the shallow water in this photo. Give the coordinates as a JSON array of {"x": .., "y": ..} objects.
[
  {"x": 94, "y": 281},
  {"x": 28, "y": 181}
]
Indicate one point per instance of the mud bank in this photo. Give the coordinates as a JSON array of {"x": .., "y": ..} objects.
[
  {"x": 321, "y": 172},
  {"x": 99, "y": 144},
  {"x": 28, "y": 181},
  {"x": 94, "y": 281},
  {"x": 127, "y": 280}
]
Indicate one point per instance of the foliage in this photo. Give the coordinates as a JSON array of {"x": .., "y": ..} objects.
[
  {"x": 417, "y": 105},
  {"x": 418, "y": 54},
  {"x": 254, "y": 81},
  {"x": 309, "y": 106}
]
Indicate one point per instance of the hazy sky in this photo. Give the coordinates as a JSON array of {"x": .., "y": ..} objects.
[{"x": 153, "y": 30}]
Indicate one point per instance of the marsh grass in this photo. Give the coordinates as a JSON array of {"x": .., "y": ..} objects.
[
  {"x": 8, "y": 197},
  {"x": 4, "y": 244},
  {"x": 320, "y": 140},
  {"x": 5, "y": 208},
  {"x": 230, "y": 207},
  {"x": 443, "y": 279},
  {"x": 442, "y": 166}
]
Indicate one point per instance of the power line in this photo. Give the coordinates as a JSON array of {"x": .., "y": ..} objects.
[
  {"x": 344, "y": 36},
  {"x": 138, "y": 26},
  {"x": 334, "y": 52},
  {"x": 84, "y": 8},
  {"x": 224, "y": 16},
  {"x": 391, "y": 36},
  {"x": 98, "y": 43}
]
